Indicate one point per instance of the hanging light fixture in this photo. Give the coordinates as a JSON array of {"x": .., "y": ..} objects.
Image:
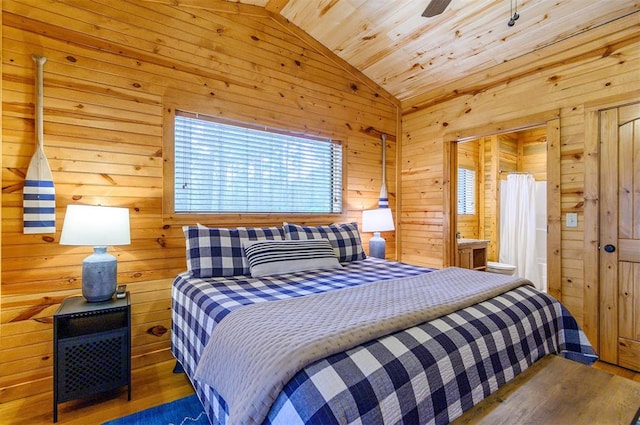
[{"x": 513, "y": 14}]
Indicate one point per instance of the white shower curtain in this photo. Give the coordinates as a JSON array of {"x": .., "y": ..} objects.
[{"x": 518, "y": 226}]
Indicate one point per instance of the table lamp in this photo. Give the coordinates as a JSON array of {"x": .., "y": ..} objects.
[
  {"x": 98, "y": 227},
  {"x": 376, "y": 221}
]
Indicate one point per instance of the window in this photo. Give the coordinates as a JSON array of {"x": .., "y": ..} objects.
[
  {"x": 466, "y": 191},
  {"x": 223, "y": 167}
]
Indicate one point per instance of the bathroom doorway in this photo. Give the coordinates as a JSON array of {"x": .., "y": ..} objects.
[
  {"x": 489, "y": 159},
  {"x": 484, "y": 210}
]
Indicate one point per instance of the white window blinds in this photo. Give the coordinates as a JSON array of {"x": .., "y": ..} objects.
[
  {"x": 223, "y": 168},
  {"x": 466, "y": 191}
]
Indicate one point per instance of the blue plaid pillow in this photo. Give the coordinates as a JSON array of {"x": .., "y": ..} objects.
[
  {"x": 213, "y": 252},
  {"x": 344, "y": 238}
]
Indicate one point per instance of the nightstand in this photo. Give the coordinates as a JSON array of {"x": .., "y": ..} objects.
[{"x": 91, "y": 348}]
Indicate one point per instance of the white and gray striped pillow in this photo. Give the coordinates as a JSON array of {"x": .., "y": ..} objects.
[{"x": 269, "y": 257}]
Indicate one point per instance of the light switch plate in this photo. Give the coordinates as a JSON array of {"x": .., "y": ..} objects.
[{"x": 572, "y": 219}]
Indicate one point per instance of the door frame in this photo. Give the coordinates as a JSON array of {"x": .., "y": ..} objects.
[
  {"x": 550, "y": 119},
  {"x": 592, "y": 291}
]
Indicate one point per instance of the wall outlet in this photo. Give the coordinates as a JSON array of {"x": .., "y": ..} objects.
[{"x": 572, "y": 219}]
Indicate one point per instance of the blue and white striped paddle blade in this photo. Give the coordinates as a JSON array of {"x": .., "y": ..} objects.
[
  {"x": 39, "y": 197},
  {"x": 383, "y": 200}
]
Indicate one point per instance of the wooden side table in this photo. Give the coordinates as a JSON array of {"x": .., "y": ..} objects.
[
  {"x": 91, "y": 348},
  {"x": 472, "y": 254}
]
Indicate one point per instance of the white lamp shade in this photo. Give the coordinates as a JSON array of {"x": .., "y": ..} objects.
[
  {"x": 95, "y": 226},
  {"x": 378, "y": 220}
]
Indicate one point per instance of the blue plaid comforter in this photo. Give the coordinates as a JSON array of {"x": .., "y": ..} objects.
[{"x": 428, "y": 374}]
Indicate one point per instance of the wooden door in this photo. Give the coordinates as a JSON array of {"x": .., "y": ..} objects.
[{"x": 620, "y": 236}]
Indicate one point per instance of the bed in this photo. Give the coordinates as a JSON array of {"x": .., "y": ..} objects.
[{"x": 427, "y": 373}]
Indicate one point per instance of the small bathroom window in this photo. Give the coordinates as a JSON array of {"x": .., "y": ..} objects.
[{"x": 466, "y": 191}]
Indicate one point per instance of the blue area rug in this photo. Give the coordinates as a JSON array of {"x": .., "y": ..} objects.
[{"x": 185, "y": 411}]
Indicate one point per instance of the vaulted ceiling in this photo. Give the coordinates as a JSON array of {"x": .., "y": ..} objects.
[{"x": 408, "y": 55}]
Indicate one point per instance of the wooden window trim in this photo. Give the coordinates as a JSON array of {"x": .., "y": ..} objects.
[{"x": 170, "y": 217}]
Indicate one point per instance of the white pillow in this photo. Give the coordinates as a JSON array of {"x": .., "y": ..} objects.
[{"x": 269, "y": 257}]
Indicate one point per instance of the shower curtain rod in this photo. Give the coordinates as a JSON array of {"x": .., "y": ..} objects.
[{"x": 514, "y": 172}]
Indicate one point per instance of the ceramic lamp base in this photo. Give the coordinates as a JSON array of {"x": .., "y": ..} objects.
[
  {"x": 377, "y": 246},
  {"x": 99, "y": 275}
]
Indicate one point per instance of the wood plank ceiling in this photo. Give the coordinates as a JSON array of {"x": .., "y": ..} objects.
[{"x": 408, "y": 55}]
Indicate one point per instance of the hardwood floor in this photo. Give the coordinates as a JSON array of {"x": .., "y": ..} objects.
[
  {"x": 151, "y": 386},
  {"x": 616, "y": 370},
  {"x": 558, "y": 391}
]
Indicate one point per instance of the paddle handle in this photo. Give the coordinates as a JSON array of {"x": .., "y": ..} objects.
[
  {"x": 384, "y": 158},
  {"x": 39, "y": 60},
  {"x": 383, "y": 200}
]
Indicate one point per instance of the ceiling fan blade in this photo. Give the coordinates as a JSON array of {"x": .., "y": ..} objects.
[{"x": 435, "y": 7}]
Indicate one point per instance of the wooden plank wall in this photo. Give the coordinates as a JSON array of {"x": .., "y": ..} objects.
[
  {"x": 500, "y": 157},
  {"x": 112, "y": 65},
  {"x": 520, "y": 151},
  {"x": 532, "y": 153},
  {"x": 596, "y": 66},
  {"x": 1, "y": 138},
  {"x": 508, "y": 158},
  {"x": 468, "y": 157},
  {"x": 517, "y": 152}
]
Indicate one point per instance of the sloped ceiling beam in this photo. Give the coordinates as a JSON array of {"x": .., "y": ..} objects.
[{"x": 217, "y": 6}]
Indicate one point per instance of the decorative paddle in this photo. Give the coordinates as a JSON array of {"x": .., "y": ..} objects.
[
  {"x": 39, "y": 198},
  {"x": 383, "y": 200}
]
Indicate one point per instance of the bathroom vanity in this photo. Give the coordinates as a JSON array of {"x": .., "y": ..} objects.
[{"x": 472, "y": 253}]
